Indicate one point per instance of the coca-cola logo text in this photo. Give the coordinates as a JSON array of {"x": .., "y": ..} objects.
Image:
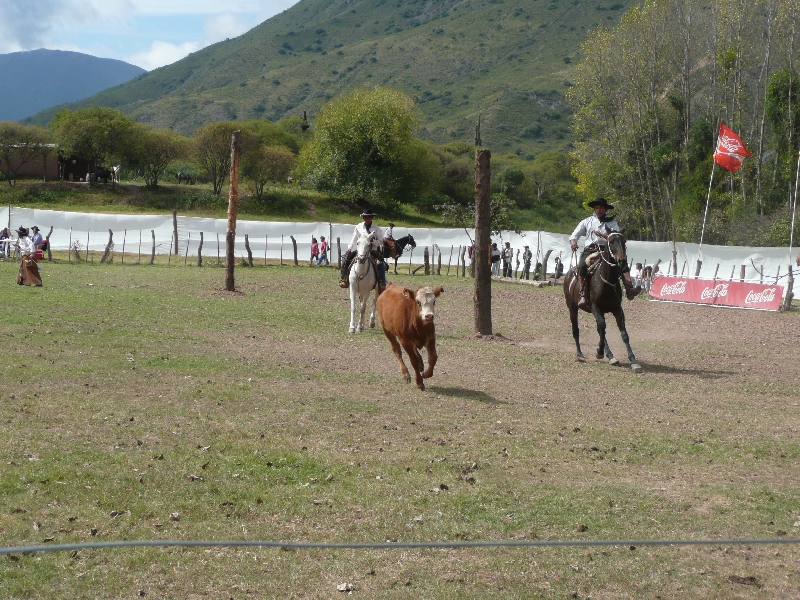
[
  {"x": 675, "y": 289},
  {"x": 718, "y": 291},
  {"x": 767, "y": 295}
]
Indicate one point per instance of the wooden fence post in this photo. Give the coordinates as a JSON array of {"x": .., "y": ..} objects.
[
  {"x": 87, "y": 246},
  {"x": 787, "y": 301},
  {"x": 482, "y": 298},
  {"x": 426, "y": 261},
  {"x": 139, "y": 255},
  {"x": 266, "y": 239},
  {"x": 716, "y": 271},
  {"x": 107, "y": 250},
  {"x": 410, "y": 254},
  {"x": 450, "y": 258},
  {"x": 294, "y": 249},
  {"x": 153, "y": 253},
  {"x": 69, "y": 251},
  {"x": 339, "y": 252},
  {"x": 281, "y": 261},
  {"x": 463, "y": 263},
  {"x": 438, "y": 260},
  {"x": 698, "y": 267},
  {"x": 186, "y": 254},
  {"x": 175, "y": 229},
  {"x": 124, "y": 237},
  {"x": 200, "y": 251},
  {"x": 49, "y": 253},
  {"x": 233, "y": 211},
  {"x": 741, "y": 274},
  {"x": 249, "y": 252}
]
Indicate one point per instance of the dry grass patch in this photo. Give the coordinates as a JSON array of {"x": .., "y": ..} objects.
[{"x": 141, "y": 403}]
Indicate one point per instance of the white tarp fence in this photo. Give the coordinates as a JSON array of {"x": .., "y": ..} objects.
[{"x": 265, "y": 237}]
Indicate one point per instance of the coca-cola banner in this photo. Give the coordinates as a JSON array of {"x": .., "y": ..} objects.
[{"x": 739, "y": 294}]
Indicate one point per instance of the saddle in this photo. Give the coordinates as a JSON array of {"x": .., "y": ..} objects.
[
  {"x": 392, "y": 247},
  {"x": 29, "y": 272}
]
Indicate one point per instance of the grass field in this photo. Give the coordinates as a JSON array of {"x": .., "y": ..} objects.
[{"x": 144, "y": 403}]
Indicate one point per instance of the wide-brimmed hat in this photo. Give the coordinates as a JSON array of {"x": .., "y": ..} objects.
[
  {"x": 600, "y": 202},
  {"x": 35, "y": 228},
  {"x": 22, "y": 231},
  {"x": 368, "y": 213}
]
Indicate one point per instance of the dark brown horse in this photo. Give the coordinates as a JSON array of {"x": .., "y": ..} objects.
[
  {"x": 605, "y": 296},
  {"x": 400, "y": 244}
]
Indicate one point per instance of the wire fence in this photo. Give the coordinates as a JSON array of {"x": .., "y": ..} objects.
[{"x": 631, "y": 544}]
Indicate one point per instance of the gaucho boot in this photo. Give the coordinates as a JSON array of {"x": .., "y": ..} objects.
[
  {"x": 584, "y": 303},
  {"x": 345, "y": 281},
  {"x": 631, "y": 291}
]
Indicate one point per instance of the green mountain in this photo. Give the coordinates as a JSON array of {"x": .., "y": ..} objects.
[{"x": 507, "y": 62}]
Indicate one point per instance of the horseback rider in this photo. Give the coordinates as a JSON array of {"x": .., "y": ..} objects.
[
  {"x": 376, "y": 250},
  {"x": 596, "y": 229},
  {"x": 388, "y": 239}
]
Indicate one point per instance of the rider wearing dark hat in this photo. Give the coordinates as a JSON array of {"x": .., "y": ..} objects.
[
  {"x": 376, "y": 250},
  {"x": 591, "y": 226}
]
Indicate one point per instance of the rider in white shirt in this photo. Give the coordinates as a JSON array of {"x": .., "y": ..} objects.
[
  {"x": 376, "y": 249},
  {"x": 590, "y": 227}
]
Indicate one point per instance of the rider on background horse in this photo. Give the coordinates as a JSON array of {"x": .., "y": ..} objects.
[
  {"x": 364, "y": 229},
  {"x": 596, "y": 229}
]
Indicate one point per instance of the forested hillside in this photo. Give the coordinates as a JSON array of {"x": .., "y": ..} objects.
[
  {"x": 508, "y": 61},
  {"x": 649, "y": 97}
]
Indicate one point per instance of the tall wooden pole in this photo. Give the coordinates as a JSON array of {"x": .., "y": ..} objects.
[
  {"x": 483, "y": 240},
  {"x": 233, "y": 211}
]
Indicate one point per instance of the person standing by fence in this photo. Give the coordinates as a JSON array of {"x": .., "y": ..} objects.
[
  {"x": 323, "y": 251},
  {"x": 508, "y": 257},
  {"x": 527, "y": 256},
  {"x": 314, "y": 250}
]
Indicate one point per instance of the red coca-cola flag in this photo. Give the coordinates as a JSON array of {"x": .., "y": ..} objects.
[{"x": 730, "y": 150}]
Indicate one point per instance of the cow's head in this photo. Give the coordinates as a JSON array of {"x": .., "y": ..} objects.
[{"x": 425, "y": 298}]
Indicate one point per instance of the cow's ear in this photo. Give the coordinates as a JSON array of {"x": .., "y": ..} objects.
[
  {"x": 409, "y": 293},
  {"x": 438, "y": 290}
]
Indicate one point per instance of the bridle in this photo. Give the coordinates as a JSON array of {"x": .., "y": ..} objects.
[{"x": 611, "y": 261}]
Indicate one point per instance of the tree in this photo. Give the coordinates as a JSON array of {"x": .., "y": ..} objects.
[
  {"x": 96, "y": 134},
  {"x": 211, "y": 148},
  {"x": 501, "y": 207},
  {"x": 363, "y": 147},
  {"x": 266, "y": 164},
  {"x": 19, "y": 144},
  {"x": 152, "y": 150}
]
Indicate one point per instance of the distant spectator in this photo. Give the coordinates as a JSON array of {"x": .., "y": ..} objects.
[
  {"x": 24, "y": 242},
  {"x": 527, "y": 255},
  {"x": 508, "y": 256},
  {"x": 314, "y": 249},
  {"x": 647, "y": 278},
  {"x": 36, "y": 238},
  {"x": 537, "y": 272},
  {"x": 389, "y": 233},
  {"x": 636, "y": 274},
  {"x": 323, "y": 252},
  {"x": 496, "y": 254},
  {"x": 4, "y": 244}
]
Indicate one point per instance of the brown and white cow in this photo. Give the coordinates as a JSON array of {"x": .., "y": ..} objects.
[{"x": 407, "y": 320}]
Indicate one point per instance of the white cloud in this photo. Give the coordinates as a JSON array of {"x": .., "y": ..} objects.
[
  {"x": 162, "y": 53},
  {"x": 209, "y": 7},
  {"x": 224, "y": 25},
  {"x": 29, "y": 24}
]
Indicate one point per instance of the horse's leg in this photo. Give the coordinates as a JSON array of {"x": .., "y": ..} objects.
[
  {"x": 374, "y": 296},
  {"x": 619, "y": 315},
  {"x": 602, "y": 346},
  {"x": 362, "y": 302},
  {"x": 395, "y": 266},
  {"x": 353, "y": 300},
  {"x": 416, "y": 363},
  {"x": 432, "y": 358},
  {"x": 398, "y": 352},
  {"x": 576, "y": 332}
]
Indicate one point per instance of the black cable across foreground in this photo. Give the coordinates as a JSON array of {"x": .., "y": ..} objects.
[{"x": 387, "y": 545}]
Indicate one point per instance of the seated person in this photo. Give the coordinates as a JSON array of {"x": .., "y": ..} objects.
[{"x": 36, "y": 238}]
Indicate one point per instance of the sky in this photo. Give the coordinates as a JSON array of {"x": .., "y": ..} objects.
[{"x": 146, "y": 33}]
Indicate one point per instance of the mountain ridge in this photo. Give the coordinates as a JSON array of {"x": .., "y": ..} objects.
[
  {"x": 506, "y": 61},
  {"x": 34, "y": 80}
]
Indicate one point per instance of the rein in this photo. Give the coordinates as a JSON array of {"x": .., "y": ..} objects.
[{"x": 610, "y": 261}]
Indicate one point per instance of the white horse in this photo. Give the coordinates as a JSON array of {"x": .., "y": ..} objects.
[
  {"x": 362, "y": 281},
  {"x": 115, "y": 173}
]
